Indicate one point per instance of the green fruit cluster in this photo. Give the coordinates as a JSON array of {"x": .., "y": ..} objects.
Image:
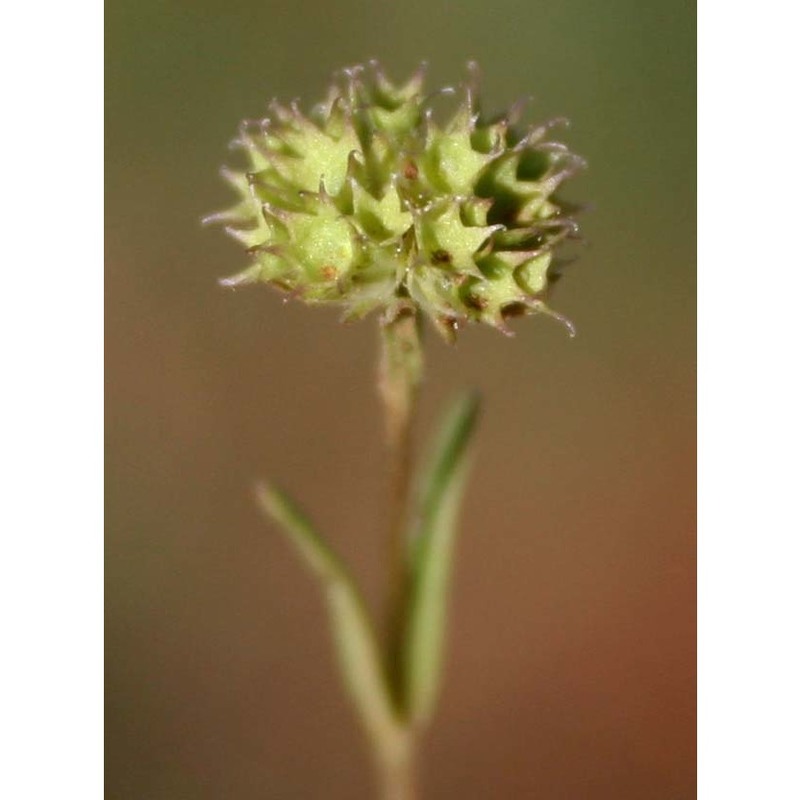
[{"x": 370, "y": 203}]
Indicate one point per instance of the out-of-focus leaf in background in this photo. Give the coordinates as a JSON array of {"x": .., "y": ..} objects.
[{"x": 432, "y": 556}]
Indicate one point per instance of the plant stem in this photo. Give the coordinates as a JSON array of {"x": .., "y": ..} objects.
[
  {"x": 397, "y": 773},
  {"x": 400, "y": 375}
]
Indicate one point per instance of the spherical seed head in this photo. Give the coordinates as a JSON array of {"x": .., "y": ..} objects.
[{"x": 370, "y": 203}]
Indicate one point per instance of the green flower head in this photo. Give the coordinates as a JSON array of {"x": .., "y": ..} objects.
[{"x": 370, "y": 203}]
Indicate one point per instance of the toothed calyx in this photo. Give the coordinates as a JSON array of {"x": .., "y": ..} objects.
[{"x": 370, "y": 203}]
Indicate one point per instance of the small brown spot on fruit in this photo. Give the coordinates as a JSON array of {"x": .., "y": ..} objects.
[
  {"x": 476, "y": 302},
  {"x": 410, "y": 171},
  {"x": 329, "y": 272},
  {"x": 441, "y": 257}
]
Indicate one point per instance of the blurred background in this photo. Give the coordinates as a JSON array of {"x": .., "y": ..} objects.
[{"x": 570, "y": 670}]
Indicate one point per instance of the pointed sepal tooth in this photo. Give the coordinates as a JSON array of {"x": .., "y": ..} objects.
[
  {"x": 395, "y": 110},
  {"x": 321, "y": 112},
  {"x": 249, "y": 130},
  {"x": 280, "y": 113},
  {"x": 278, "y": 197},
  {"x": 572, "y": 166},
  {"x": 344, "y": 200},
  {"x": 517, "y": 110},
  {"x": 269, "y": 186},
  {"x": 379, "y": 155},
  {"x": 432, "y": 100},
  {"x": 267, "y": 248},
  {"x": 472, "y": 86},
  {"x": 268, "y": 267},
  {"x": 464, "y": 118},
  {"x": 356, "y": 166},
  {"x": 299, "y": 117},
  {"x": 257, "y": 157},
  {"x": 415, "y": 83},
  {"x": 339, "y": 119},
  {"x": 346, "y": 85},
  {"x": 541, "y": 235},
  {"x": 241, "y": 213},
  {"x": 322, "y": 193},
  {"x": 270, "y": 142},
  {"x": 381, "y": 219},
  {"x": 275, "y": 217},
  {"x": 355, "y": 175},
  {"x": 536, "y": 133},
  {"x": 236, "y": 179},
  {"x": 467, "y": 114},
  {"x": 383, "y": 92},
  {"x": 397, "y": 121},
  {"x": 246, "y": 276},
  {"x": 528, "y": 238},
  {"x": 303, "y": 132},
  {"x": 559, "y": 148},
  {"x": 250, "y": 238},
  {"x": 540, "y": 307},
  {"x": 490, "y": 139},
  {"x": 557, "y": 228},
  {"x": 427, "y": 128}
]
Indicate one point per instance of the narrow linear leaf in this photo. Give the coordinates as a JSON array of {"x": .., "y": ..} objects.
[
  {"x": 356, "y": 647},
  {"x": 441, "y": 488}
]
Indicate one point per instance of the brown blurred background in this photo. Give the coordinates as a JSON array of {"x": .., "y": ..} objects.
[{"x": 570, "y": 671}]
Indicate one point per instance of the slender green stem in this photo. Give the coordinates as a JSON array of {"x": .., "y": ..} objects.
[
  {"x": 397, "y": 771},
  {"x": 400, "y": 375}
]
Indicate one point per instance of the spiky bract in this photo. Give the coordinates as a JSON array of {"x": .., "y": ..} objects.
[{"x": 370, "y": 203}]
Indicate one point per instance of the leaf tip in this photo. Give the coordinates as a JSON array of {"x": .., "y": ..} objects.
[{"x": 268, "y": 496}]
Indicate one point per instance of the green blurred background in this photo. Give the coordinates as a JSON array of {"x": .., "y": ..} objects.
[{"x": 570, "y": 671}]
